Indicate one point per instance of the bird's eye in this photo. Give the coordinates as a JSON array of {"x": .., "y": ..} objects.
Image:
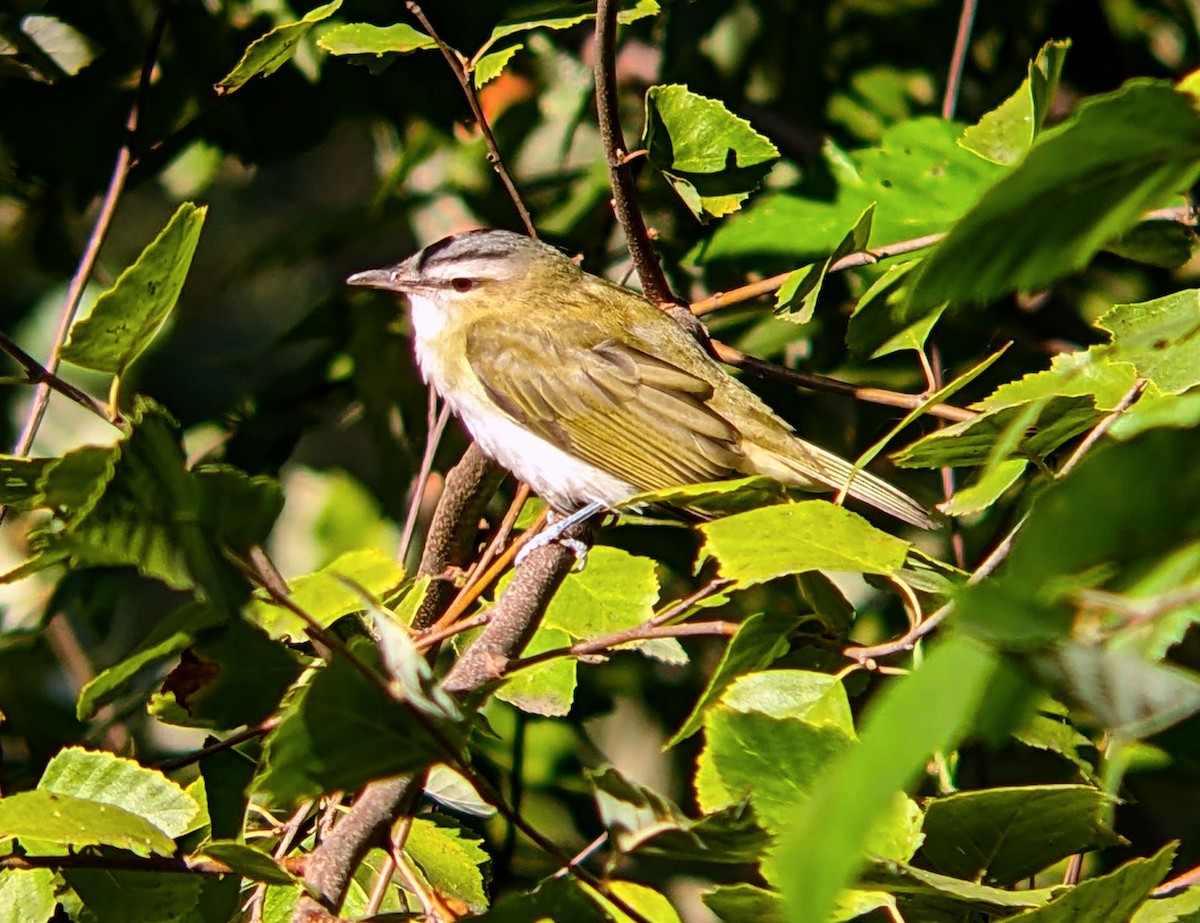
[{"x": 462, "y": 285}]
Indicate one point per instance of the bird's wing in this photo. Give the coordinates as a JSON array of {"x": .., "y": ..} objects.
[{"x": 622, "y": 410}]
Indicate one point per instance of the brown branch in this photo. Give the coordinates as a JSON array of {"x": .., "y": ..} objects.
[
  {"x": 38, "y": 374},
  {"x": 612, "y": 139},
  {"x": 87, "y": 261},
  {"x": 962, "y": 41},
  {"x": 863, "y": 655},
  {"x": 515, "y": 617},
  {"x": 451, "y": 540},
  {"x": 468, "y": 88},
  {"x": 196, "y": 864},
  {"x": 738, "y": 359},
  {"x": 644, "y": 632}
]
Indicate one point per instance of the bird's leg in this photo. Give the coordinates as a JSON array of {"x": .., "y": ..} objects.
[{"x": 554, "y": 530}]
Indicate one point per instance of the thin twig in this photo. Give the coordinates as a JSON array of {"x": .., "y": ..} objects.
[
  {"x": 732, "y": 356},
  {"x": 962, "y": 41},
  {"x": 682, "y": 606},
  {"x": 437, "y": 426},
  {"x": 186, "y": 759},
  {"x": 1097, "y": 432},
  {"x": 87, "y": 261},
  {"x": 502, "y": 532},
  {"x": 464, "y": 81},
  {"x": 612, "y": 139},
  {"x": 645, "y": 632},
  {"x": 38, "y": 374},
  {"x": 855, "y": 260}
]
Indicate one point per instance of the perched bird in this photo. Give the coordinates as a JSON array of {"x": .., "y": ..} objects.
[{"x": 585, "y": 390}]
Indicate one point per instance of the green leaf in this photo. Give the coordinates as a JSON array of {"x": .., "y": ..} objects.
[
  {"x": 451, "y": 858},
  {"x": 986, "y": 489},
  {"x": 167, "y": 638},
  {"x": 1159, "y": 338},
  {"x": 920, "y": 180},
  {"x": 1109, "y": 897},
  {"x": 555, "y": 899},
  {"x": 1081, "y": 184},
  {"x": 19, "y": 479},
  {"x": 616, "y": 590},
  {"x": 491, "y": 66},
  {"x": 927, "y": 895},
  {"x": 760, "y": 640},
  {"x": 1166, "y": 244},
  {"x": 75, "y": 823},
  {"x": 1180, "y": 907},
  {"x": 70, "y": 50},
  {"x": 1008, "y": 131},
  {"x": 27, "y": 896},
  {"x": 126, "y": 318},
  {"x": 712, "y": 158},
  {"x": 1128, "y": 696},
  {"x": 269, "y": 52},
  {"x": 208, "y": 687},
  {"x": 325, "y": 594},
  {"x": 547, "y": 688},
  {"x": 248, "y": 862},
  {"x": 360, "y": 38},
  {"x": 107, "y": 779},
  {"x": 797, "y": 297},
  {"x": 736, "y": 903},
  {"x": 135, "y": 897},
  {"x": 1002, "y": 835},
  {"x": 149, "y": 516},
  {"x": 562, "y": 16},
  {"x": 873, "y": 330},
  {"x": 640, "y": 819},
  {"x": 713, "y": 497},
  {"x": 792, "y": 538},
  {"x": 821, "y": 842},
  {"x": 341, "y": 730},
  {"x": 769, "y": 738}
]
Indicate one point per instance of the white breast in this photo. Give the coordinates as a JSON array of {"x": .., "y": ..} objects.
[{"x": 563, "y": 481}]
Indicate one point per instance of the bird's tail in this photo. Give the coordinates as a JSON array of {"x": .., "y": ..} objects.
[{"x": 810, "y": 467}]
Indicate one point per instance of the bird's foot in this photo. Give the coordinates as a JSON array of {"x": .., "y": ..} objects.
[{"x": 553, "y": 533}]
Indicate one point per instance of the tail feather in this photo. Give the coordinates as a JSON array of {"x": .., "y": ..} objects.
[{"x": 814, "y": 468}]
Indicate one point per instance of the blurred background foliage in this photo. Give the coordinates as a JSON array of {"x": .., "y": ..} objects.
[{"x": 329, "y": 167}]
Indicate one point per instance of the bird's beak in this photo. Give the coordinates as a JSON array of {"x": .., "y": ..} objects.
[{"x": 386, "y": 279}]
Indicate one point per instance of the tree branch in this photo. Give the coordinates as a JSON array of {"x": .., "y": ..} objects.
[{"x": 612, "y": 139}]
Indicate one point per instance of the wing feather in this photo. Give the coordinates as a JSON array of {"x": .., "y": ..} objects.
[{"x": 622, "y": 410}]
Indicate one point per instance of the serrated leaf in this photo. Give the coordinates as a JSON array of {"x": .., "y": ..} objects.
[
  {"x": 491, "y": 66},
  {"x": 711, "y": 157},
  {"x": 77, "y": 822},
  {"x": 792, "y": 538},
  {"x": 1007, "y": 132},
  {"x": 1180, "y": 907},
  {"x": 919, "y": 178},
  {"x": 1081, "y": 184},
  {"x": 361, "y": 38},
  {"x": 760, "y": 640},
  {"x": 127, "y": 317},
  {"x": 27, "y": 895},
  {"x": 341, "y": 730},
  {"x": 1159, "y": 338},
  {"x": 562, "y": 16},
  {"x": 325, "y": 594},
  {"x": 796, "y": 299},
  {"x": 269, "y": 52},
  {"x": 616, "y": 590},
  {"x": 104, "y": 778},
  {"x": 548, "y": 688},
  {"x": 451, "y": 858},
  {"x": 821, "y": 843},
  {"x": 1002, "y": 835}
]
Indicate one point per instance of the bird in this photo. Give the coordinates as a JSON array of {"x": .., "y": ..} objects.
[{"x": 585, "y": 390}]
